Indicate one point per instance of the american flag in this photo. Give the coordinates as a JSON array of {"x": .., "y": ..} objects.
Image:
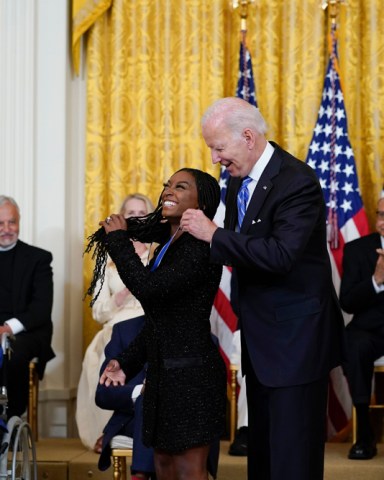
[
  {"x": 331, "y": 156},
  {"x": 223, "y": 318}
]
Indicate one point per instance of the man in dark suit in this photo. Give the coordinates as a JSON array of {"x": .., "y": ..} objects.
[
  {"x": 362, "y": 294},
  {"x": 128, "y": 413},
  {"x": 26, "y": 296},
  {"x": 290, "y": 321}
]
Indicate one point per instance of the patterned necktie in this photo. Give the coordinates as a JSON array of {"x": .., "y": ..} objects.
[{"x": 242, "y": 200}]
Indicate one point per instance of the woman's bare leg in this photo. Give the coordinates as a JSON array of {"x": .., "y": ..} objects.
[
  {"x": 164, "y": 465},
  {"x": 190, "y": 464}
]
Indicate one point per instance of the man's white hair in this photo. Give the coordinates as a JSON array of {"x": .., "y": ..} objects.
[
  {"x": 236, "y": 114},
  {"x": 4, "y": 199}
]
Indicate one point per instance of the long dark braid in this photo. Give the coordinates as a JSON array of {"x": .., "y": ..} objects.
[
  {"x": 152, "y": 227},
  {"x": 147, "y": 229}
]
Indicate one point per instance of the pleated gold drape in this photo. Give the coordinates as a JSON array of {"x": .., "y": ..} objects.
[{"x": 153, "y": 66}]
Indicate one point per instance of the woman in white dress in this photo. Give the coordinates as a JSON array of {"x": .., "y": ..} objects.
[{"x": 114, "y": 304}]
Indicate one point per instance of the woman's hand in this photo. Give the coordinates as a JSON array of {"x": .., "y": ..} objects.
[
  {"x": 116, "y": 221},
  {"x": 113, "y": 374}
]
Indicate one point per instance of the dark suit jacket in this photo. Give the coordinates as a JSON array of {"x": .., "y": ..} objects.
[
  {"x": 357, "y": 294},
  {"x": 118, "y": 399},
  {"x": 32, "y": 298},
  {"x": 289, "y": 312}
]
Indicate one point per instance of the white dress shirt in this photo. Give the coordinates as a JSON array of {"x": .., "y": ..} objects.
[
  {"x": 258, "y": 169},
  {"x": 378, "y": 288}
]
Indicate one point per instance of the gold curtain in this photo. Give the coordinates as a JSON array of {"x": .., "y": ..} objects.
[
  {"x": 153, "y": 66},
  {"x": 84, "y": 15}
]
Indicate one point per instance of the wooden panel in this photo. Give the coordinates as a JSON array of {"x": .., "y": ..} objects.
[
  {"x": 84, "y": 467},
  {"x": 52, "y": 471},
  {"x": 83, "y": 471}
]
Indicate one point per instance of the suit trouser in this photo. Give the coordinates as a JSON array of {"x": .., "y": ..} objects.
[
  {"x": 17, "y": 372},
  {"x": 286, "y": 430},
  {"x": 363, "y": 348},
  {"x": 142, "y": 456}
]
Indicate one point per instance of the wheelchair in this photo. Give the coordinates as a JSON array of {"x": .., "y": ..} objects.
[{"x": 17, "y": 444}]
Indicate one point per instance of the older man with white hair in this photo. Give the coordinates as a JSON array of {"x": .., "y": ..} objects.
[{"x": 26, "y": 296}]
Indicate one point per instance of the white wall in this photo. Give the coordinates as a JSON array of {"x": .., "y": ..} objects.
[{"x": 42, "y": 112}]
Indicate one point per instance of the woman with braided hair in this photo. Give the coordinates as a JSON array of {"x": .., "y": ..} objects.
[{"x": 185, "y": 390}]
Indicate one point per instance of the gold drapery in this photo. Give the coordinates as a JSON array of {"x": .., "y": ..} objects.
[
  {"x": 154, "y": 65},
  {"x": 84, "y": 15}
]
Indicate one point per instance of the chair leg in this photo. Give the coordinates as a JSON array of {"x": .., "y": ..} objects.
[
  {"x": 116, "y": 468},
  {"x": 33, "y": 399},
  {"x": 119, "y": 468},
  {"x": 354, "y": 425},
  {"x": 123, "y": 465},
  {"x": 233, "y": 404}
]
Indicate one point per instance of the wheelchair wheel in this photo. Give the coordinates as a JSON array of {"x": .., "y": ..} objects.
[
  {"x": 24, "y": 454},
  {"x": 21, "y": 452}
]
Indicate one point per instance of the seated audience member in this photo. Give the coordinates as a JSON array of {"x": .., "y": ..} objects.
[
  {"x": 114, "y": 304},
  {"x": 26, "y": 297},
  {"x": 362, "y": 294},
  {"x": 126, "y": 403},
  {"x": 239, "y": 446}
]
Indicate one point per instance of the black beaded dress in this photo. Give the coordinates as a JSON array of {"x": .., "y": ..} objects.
[{"x": 185, "y": 391}]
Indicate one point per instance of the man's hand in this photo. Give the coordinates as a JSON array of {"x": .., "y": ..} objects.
[
  {"x": 113, "y": 374},
  {"x": 114, "y": 222},
  {"x": 197, "y": 224},
  {"x": 5, "y": 329},
  {"x": 379, "y": 270}
]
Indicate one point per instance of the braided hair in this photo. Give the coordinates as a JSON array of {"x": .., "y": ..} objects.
[{"x": 152, "y": 227}]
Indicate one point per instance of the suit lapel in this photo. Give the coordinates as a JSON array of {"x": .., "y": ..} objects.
[
  {"x": 259, "y": 195},
  {"x": 18, "y": 271},
  {"x": 261, "y": 192},
  {"x": 376, "y": 243}
]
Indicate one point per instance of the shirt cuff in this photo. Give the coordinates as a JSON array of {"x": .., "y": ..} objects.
[
  {"x": 136, "y": 392},
  {"x": 378, "y": 288},
  {"x": 15, "y": 325}
]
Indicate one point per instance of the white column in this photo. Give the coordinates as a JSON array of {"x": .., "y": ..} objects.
[
  {"x": 17, "y": 108},
  {"x": 42, "y": 131}
]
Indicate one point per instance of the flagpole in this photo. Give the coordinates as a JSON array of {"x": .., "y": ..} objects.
[
  {"x": 332, "y": 226},
  {"x": 223, "y": 319},
  {"x": 246, "y": 77}
]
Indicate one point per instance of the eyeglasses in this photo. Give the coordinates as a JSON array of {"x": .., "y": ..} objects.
[{"x": 380, "y": 215}]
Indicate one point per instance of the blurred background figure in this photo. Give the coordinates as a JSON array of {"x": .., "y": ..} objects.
[
  {"x": 361, "y": 294},
  {"x": 114, "y": 304},
  {"x": 26, "y": 297}
]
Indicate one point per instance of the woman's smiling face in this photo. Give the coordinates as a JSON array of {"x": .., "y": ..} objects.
[{"x": 179, "y": 194}]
